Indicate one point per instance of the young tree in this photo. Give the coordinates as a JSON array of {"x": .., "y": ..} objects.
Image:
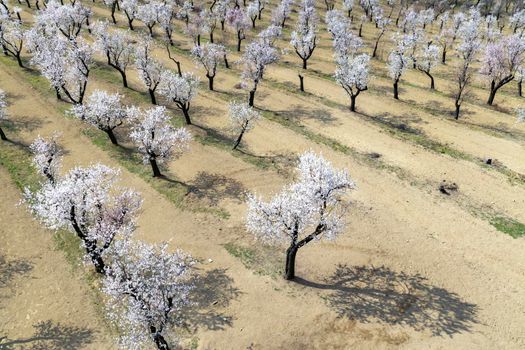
[
  {"x": 254, "y": 61},
  {"x": 281, "y": 13},
  {"x": 237, "y": 18},
  {"x": 310, "y": 209},
  {"x": 156, "y": 139},
  {"x": 166, "y": 13},
  {"x": 197, "y": 26},
  {"x": 150, "y": 70},
  {"x": 149, "y": 14},
  {"x": 146, "y": 288},
  {"x": 242, "y": 119},
  {"x": 86, "y": 202},
  {"x": 252, "y": 11},
  {"x": 209, "y": 55},
  {"x": 130, "y": 8},
  {"x": 426, "y": 59},
  {"x": 47, "y": 157},
  {"x": 12, "y": 38},
  {"x": 382, "y": 24},
  {"x": 348, "y": 5},
  {"x": 180, "y": 90},
  {"x": 104, "y": 111},
  {"x": 3, "y": 113},
  {"x": 305, "y": 33},
  {"x": 113, "y": 5},
  {"x": 352, "y": 74},
  {"x": 501, "y": 61},
  {"x": 116, "y": 46},
  {"x": 467, "y": 50},
  {"x": 399, "y": 59}
]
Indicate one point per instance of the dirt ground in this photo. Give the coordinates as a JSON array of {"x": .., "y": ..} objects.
[{"x": 416, "y": 269}]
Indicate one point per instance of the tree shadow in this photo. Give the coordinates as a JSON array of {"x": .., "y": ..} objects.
[
  {"x": 10, "y": 269},
  {"x": 27, "y": 123},
  {"x": 371, "y": 294},
  {"x": 299, "y": 113},
  {"x": 49, "y": 335},
  {"x": 213, "y": 290},
  {"x": 214, "y": 187}
]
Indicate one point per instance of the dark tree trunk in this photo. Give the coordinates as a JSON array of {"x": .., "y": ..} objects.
[
  {"x": 239, "y": 39},
  {"x": 111, "y": 136},
  {"x": 155, "y": 167},
  {"x": 375, "y": 49},
  {"x": 186, "y": 111},
  {"x": 456, "y": 113},
  {"x": 444, "y": 56},
  {"x": 253, "y": 22},
  {"x": 226, "y": 62},
  {"x": 19, "y": 60},
  {"x": 130, "y": 24},
  {"x": 222, "y": 26},
  {"x": 520, "y": 89},
  {"x": 492, "y": 94},
  {"x": 210, "y": 82},
  {"x": 432, "y": 85},
  {"x": 396, "y": 90},
  {"x": 59, "y": 97},
  {"x": 305, "y": 64},
  {"x": 301, "y": 82},
  {"x": 239, "y": 139},
  {"x": 96, "y": 259},
  {"x": 352, "y": 102},
  {"x": 158, "y": 339},
  {"x": 152, "y": 96},
  {"x": 124, "y": 78},
  {"x": 2, "y": 135},
  {"x": 361, "y": 30},
  {"x": 113, "y": 8},
  {"x": 252, "y": 98},
  {"x": 199, "y": 40},
  {"x": 289, "y": 269},
  {"x": 211, "y": 37}
]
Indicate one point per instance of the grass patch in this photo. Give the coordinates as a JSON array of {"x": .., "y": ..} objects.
[
  {"x": 261, "y": 259},
  {"x": 507, "y": 225}
]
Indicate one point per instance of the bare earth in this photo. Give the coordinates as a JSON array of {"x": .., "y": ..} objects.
[{"x": 416, "y": 269}]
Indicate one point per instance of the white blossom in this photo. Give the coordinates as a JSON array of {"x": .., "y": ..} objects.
[
  {"x": 47, "y": 157},
  {"x": 352, "y": 74},
  {"x": 180, "y": 89},
  {"x": 242, "y": 119}
]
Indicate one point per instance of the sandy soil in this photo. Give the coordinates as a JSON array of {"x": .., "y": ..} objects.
[{"x": 415, "y": 269}]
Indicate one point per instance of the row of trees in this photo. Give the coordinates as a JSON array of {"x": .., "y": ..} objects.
[{"x": 145, "y": 285}]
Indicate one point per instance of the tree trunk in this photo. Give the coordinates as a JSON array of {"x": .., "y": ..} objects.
[
  {"x": 252, "y": 98},
  {"x": 456, "y": 114},
  {"x": 226, "y": 62},
  {"x": 352, "y": 102},
  {"x": 152, "y": 96},
  {"x": 239, "y": 139},
  {"x": 186, "y": 112},
  {"x": 130, "y": 24},
  {"x": 375, "y": 49},
  {"x": 520, "y": 90},
  {"x": 305, "y": 64},
  {"x": 113, "y": 8},
  {"x": 96, "y": 259},
  {"x": 492, "y": 94},
  {"x": 211, "y": 37},
  {"x": 239, "y": 41},
  {"x": 289, "y": 271},
  {"x": 444, "y": 56},
  {"x": 158, "y": 339},
  {"x": 155, "y": 167},
  {"x": 111, "y": 136},
  {"x": 210, "y": 82},
  {"x": 19, "y": 60},
  {"x": 2, "y": 135},
  {"x": 124, "y": 78},
  {"x": 301, "y": 82},
  {"x": 396, "y": 92},
  {"x": 432, "y": 85},
  {"x": 360, "y": 30}
]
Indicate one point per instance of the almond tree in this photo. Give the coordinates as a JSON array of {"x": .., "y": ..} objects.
[
  {"x": 238, "y": 19},
  {"x": 310, "y": 209},
  {"x": 12, "y": 38},
  {"x": 150, "y": 70},
  {"x": 467, "y": 50},
  {"x": 104, "y": 111},
  {"x": 501, "y": 61},
  {"x": 352, "y": 74},
  {"x": 3, "y": 113},
  {"x": 147, "y": 286},
  {"x": 399, "y": 59},
  {"x": 209, "y": 55},
  {"x": 345, "y": 43},
  {"x": 149, "y": 14},
  {"x": 305, "y": 33},
  {"x": 166, "y": 14},
  {"x": 252, "y": 11},
  {"x": 426, "y": 59},
  {"x": 47, "y": 157},
  {"x": 281, "y": 13},
  {"x": 197, "y": 27},
  {"x": 348, "y": 5},
  {"x": 180, "y": 89},
  {"x": 113, "y": 5},
  {"x": 130, "y": 8},
  {"x": 157, "y": 140},
  {"x": 116, "y": 46},
  {"x": 87, "y": 203},
  {"x": 242, "y": 119},
  {"x": 67, "y": 19},
  {"x": 382, "y": 24},
  {"x": 270, "y": 34},
  {"x": 254, "y": 61},
  {"x": 221, "y": 10}
]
